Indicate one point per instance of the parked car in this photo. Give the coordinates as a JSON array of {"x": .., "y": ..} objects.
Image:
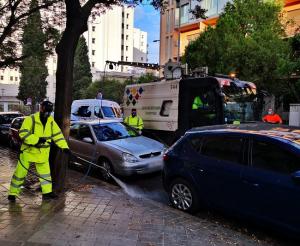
[
  {"x": 14, "y": 139},
  {"x": 116, "y": 147},
  {"x": 5, "y": 121},
  {"x": 251, "y": 171}
]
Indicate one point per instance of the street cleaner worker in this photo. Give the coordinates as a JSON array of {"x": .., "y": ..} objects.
[
  {"x": 37, "y": 132},
  {"x": 272, "y": 117},
  {"x": 134, "y": 121}
]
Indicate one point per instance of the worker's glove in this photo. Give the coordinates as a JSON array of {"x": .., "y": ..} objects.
[{"x": 41, "y": 141}]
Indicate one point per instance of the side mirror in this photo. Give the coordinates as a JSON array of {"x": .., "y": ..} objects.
[
  {"x": 296, "y": 177},
  {"x": 87, "y": 140}
]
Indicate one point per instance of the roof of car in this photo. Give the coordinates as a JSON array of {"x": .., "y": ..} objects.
[
  {"x": 12, "y": 112},
  {"x": 95, "y": 122},
  {"x": 282, "y": 132}
]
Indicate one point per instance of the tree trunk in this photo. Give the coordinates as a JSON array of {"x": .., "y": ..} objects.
[{"x": 64, "y": 81}]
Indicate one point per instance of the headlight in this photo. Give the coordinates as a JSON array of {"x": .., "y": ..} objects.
[{"x": 129, "y": 158}]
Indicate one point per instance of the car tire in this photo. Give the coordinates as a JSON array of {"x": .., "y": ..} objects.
[
  {"x": 183, "y": 196},
  {"x": 105, "y": 163}
]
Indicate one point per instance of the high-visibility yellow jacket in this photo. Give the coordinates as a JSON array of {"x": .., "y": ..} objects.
[
  {"x": 198, "y": 103},
  {"x": 135, "y": 122},
  {"x": 31, "y": 130}
]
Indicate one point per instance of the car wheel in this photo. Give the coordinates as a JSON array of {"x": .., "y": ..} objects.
[
  {"x": 105, "y": 169},
  {"x": 183, "y": 196}
]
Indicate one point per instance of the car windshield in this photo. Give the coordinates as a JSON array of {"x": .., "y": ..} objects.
[
  {"x": 238, "y": 111},
  {"x": 238, "y": 104},
  {"x": 108, "y": 112},
  {"x": 7, "y": 118},
  {"x": 113, "y": 131}
]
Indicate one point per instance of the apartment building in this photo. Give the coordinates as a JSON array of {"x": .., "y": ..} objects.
[
  {"x": 140, "y": 45},
  {"x": 112, "y": 36},
  {"x": 178, "y": 27}
]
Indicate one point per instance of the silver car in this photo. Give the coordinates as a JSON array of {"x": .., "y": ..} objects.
[{"x": 115, "y": 146}]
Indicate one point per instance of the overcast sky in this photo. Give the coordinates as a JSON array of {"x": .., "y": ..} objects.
[{"x": 148, "y": 20}]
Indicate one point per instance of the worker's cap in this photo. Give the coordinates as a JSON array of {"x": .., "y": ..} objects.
[{"x": 47, "y": 105}]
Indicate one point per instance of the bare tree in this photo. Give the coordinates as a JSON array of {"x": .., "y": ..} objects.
[{"x": 13, "y": 17}]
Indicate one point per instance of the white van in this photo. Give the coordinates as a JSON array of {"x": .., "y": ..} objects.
[{"x": 88, "y": 109}]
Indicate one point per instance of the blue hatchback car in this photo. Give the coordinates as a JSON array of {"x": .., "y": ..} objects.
[{"x": 252, "y": 171}]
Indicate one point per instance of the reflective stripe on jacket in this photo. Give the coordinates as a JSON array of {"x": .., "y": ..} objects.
[
  {"x": 135, "y": 122},
  {"x": 32, "y": 129}
]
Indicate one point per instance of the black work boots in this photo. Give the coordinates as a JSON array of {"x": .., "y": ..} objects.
[
  {"x": 11, "y": 198},
  {"x": 50, "y": 196}
]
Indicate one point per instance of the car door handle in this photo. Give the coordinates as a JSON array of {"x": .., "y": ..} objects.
[{"x": 250, "y": 183}]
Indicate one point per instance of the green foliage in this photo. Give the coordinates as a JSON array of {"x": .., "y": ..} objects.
[
  {"x": 34, "y": 72},
  {"x": 110, "y": 88},
  {"x": 146, "y": 78},
  {"x": 247, "y": 40},
  {"x": 82, "y": 70}
]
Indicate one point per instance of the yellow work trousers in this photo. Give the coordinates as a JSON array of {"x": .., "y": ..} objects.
[{"x": 43, "y": 170}]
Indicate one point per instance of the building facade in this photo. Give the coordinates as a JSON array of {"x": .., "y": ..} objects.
[{"x": 178, "y": 27}]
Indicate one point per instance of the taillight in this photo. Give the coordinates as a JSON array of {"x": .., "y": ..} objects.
[{"x": 166, "y": 157}]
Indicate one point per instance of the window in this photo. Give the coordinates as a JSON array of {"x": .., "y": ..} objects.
[
  {"x": 84, "y": 111},
  {"x": 126, "y": 37},
  {"x": 1, "y": 77},
  {"x": 127, "y": 26},
  {"x": 16, "y": 78},
  {"x": 11, "y": 78},
  {"x": 166, "y": 108},
  {"x": 98, "y": 112},
  {"x": 184, "y": 14},
  {"x": 167, "y": 49},
  {"x": 222, "y": 148},
  {"x": 168, "y": 21},
  {"x": 142, "y": 43},
  {"x": 93, "y": 52},
  {"x": 122, "y": 25},
  {"x": 93, "y": 40},
  {"x": 122, "y": 14},
  {"x": 93, "y": 28},
  {"x": 126, "y": 48},
  {"x": 269, "y": 156},
  {"x": 17, "y": 123},
  {"x": 74, "y": 131},
  {"x": 127, "y": 15},
  {"x": 93, "y": 64},
  {"x": 85, "y": 132},
  {"x": 122, "y": 36},
  {"x": 126, "y": 58},
  {"x": 122, "y": 47},
  {"x": 142, "y": 58},
  {"x": 122, "y": 58}
]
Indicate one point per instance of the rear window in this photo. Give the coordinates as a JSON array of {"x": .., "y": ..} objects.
[
  {"x": 222, "y": 148},
  {"x": 8, "y": 118},
  {"x": 17, "y": 123}
]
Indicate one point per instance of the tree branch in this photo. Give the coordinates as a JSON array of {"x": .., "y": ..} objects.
[{"x": 11, "y": 61}]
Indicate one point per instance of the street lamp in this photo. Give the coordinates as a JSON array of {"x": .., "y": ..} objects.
[{"x": 156, "y": 40}]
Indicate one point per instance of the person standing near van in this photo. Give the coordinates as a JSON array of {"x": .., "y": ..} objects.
[{"x": 134, "y": 121}]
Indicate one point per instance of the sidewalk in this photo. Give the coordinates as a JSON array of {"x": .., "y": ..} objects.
[{"x": 97, "y": 213}]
